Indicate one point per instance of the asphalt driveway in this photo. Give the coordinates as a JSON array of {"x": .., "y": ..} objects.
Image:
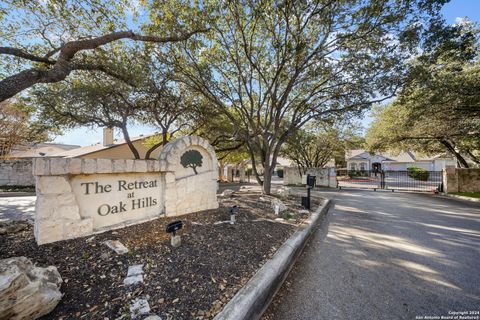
[
  {"x": 384, "y": 255},
  {"x": 17, "y": 208}
]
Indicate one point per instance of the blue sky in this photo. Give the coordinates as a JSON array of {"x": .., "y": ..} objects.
[{"x": 87, "y": 136}]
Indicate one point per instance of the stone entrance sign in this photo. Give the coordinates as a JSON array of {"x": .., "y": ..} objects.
[
  {"x": 113, "y": 199},
  {"x": 78, "y": 197}
]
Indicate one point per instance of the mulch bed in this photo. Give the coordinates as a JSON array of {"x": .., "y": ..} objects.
[{"x": 193, "y": 281}]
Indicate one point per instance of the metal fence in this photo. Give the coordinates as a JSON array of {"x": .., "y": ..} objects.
[{"x": 390, "y": 180}]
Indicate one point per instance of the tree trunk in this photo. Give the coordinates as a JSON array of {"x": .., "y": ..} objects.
[
  {"x": 132, "y": 148},
  {"x": 221, "y": 174},
  {"x": 461, "y": 161},
  {"x": 267, "y": 179}
]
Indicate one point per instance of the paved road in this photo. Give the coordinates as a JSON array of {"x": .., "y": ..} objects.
[
  {"x": 17, "y": 208},
  {"x": 383, "y": 255}
]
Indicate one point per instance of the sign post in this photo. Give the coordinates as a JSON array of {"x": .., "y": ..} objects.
[{"x": 310, "y": 184}]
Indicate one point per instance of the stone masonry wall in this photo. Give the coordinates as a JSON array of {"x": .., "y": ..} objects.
[
  {"x": 78, "y": 197},
  {"x": 16, "y": 173},
  {"x": 461, "y": 180},
  {"x": 325, "y": 177}
]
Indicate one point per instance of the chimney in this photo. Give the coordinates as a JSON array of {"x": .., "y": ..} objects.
[{"x": 107, "y": 137}]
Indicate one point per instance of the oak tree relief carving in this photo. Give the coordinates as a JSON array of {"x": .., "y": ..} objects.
[{"x": 191, "y": 159}]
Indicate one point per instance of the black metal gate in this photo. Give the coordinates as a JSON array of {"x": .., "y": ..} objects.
[{"x": 429, "y": 181}]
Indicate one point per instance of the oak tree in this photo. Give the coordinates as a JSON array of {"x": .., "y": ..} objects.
[{"x": 272, "y": 66}]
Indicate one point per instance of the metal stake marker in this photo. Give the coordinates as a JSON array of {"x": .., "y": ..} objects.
[
  {"x": 232, "y": 214},
  {"x": 172, "y": 228}
]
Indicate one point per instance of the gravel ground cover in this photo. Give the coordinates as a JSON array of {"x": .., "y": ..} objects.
[{"x": 192, "y": 281}]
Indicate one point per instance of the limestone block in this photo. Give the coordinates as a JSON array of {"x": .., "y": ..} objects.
[
  {"x": 104, "y": 166},
  {"x": 140, "y": 166},
  {"x": 151, "y": 165},
  {"x": 58, "y": 166},
  {"x": 172, "y": 160},
  {"x": 180, "y": 146},
  {"x": 89, "y": 166},
  {"x": 194, "y": 140},
  {"x": 48, "y": 231},
  {"x": 163, "y": 165},
  {"x": 41, "y": 167},
  {"x": 26, "y": 291},
  {"x": 75, "y": 166},
  {"x": 66, "y": 213},
  {"x": 44, "y": 207},
  {"x": 119, "y": 165},
  {"x": 129, "y": 165},
  {"x": 156, "y": 166},
  {"x": 53, "y": 185},
  {"x": 79, "y": 228}
]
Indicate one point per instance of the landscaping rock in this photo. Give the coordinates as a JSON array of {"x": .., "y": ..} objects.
[
  {"x": 227, "y": 192},
  {"x": 139, "y": 307},
  {"x": 134, "y": 275},
  {"x": 116, "y": 246},
  {"x": 13, "y": 227},
  {"x": 26, "y": 291},
  {"x": 278, "y": 205}
]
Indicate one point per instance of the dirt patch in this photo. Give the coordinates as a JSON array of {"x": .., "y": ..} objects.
[{"x": 192, "y": 281}]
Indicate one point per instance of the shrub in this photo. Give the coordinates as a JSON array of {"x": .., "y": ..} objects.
[
  {"x": 418, "y": 173},
  {"x": 280, "y": 173}
]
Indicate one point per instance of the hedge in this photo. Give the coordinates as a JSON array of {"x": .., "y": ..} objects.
[{"x": 418, "y": 173}]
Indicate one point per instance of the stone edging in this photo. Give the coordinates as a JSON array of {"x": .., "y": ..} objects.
[
  {"x": 253, "y": 299},
  {"x": 460, "y": 197}
]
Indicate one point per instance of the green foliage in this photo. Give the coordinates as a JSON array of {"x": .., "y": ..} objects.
[
  {"x": 418, "y": 173},
  {"x": 468, "y": 194},
  {"x": 191, "y": 159},
  {"x": 19, "y": 125},
  {"x": 438, "y": 110},
  {"x": 271, "y": 67},
  {"x": 316, "y": 145},
  {"x": 17, "y": 188},
  {"x": 357, "y": 173},
  {"x": 280, "y": 173},
  {"x": 287, "y": 215}
]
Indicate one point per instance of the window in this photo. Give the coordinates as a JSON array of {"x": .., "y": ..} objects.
[
  {"x": 363, "y": 166},
  {"x": 353, "y": 166}
]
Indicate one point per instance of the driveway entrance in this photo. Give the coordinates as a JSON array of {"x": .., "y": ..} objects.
[
  {"x": 407, "y": 255},
  {"x": 390, "y": 180}
]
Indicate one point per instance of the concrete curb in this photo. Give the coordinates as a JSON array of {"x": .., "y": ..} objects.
[
  {"x": 16, "y": 194},
  {"x": 454, "y": 196},
  {"x": 253, "y": 299}
]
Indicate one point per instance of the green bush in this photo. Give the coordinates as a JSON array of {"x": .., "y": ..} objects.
[
  {"x": 357, "y": 173},
  {"x": 418, "y": 173},
  {"x": 280, "y": 173}
]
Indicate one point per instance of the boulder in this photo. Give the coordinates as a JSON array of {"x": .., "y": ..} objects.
[
  {"x": 278, "y": 205},
  {"x": 284, "y": 191},
  {"x": 13, "y": 227},
  {"x": 26, "y": 291}
]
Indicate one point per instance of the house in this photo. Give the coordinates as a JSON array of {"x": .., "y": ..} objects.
[
  {"x": 362, "y": 160},
  {"x": 110, "y": 148},
  {"x": 37, "y": 150},
  {"x": 16, "y": 168}
]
